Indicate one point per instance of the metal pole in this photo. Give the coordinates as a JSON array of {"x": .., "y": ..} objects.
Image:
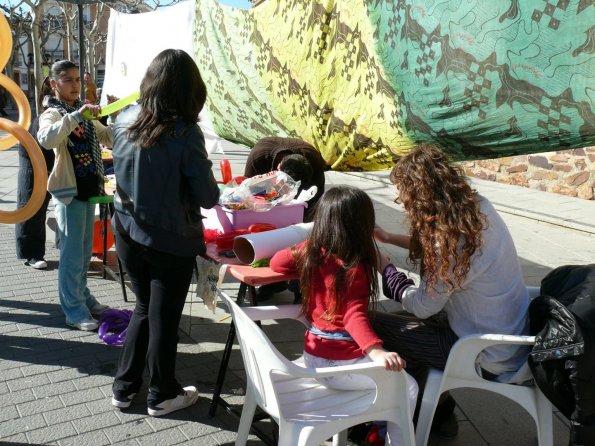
[{"x": 81, "y": 49}]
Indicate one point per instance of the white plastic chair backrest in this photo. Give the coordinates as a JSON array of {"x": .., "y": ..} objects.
[
  {"x": 462, "y": 356},
  {"x": 260, "y": 357}
]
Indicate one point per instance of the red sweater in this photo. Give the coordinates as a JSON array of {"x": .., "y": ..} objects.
[{"x": 352, "y": 318}]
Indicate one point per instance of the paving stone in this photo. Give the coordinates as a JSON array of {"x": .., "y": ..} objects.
[
  {"x": 8, "y": 412},
  {"x": 82, "y": 396},
  {"x": 20, "y": 396},
  {"x": 51, "y": 433},
  {"x": 66, "y": 414},
  {"x": 54, "y": 389},
  {"x": 64, "y": 375},
  {"x": 23, "y": 424},
  {"x": 39, "y": 406},
  {"x": 28, "y": 382},
  {"x": 36, "y": 369},
  {"x": 164, "y": 438},
  {"x": 94, "y": 438},
  {"x": 128, "y": 431},
  {"x": 94, "y": 422}
]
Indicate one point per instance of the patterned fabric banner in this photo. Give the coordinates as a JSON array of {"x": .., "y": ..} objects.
[{"x": 365, "y": 80}]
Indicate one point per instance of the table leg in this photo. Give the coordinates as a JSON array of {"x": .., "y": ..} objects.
[
  {"x": 222, "y": 369},
  {"x": 103, "y": 217}
]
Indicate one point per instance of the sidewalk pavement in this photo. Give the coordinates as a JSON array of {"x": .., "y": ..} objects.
[{"x": 55, "y": 383}]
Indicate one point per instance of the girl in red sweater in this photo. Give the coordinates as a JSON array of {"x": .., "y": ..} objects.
[{"x": 338, "y": 273}]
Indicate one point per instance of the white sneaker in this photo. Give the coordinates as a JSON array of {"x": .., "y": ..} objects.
[
  {"x": 37, "y": 263},
  {"x": 187, "y": 398},
  {"x": 85, "y": 325},
  {"x": 122, "y": 402},
  {"x": 98, "y": 309}
]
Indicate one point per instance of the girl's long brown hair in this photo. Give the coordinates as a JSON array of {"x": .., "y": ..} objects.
[
  {"x": 343, "y": 228},
  {"x": 443, "y": 212}
]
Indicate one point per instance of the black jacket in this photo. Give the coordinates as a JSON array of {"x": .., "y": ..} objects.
[
  {"x": 563, "y": 358},
  {"x": 161, "y": 189}
]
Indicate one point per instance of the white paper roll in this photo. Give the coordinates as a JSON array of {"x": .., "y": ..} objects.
[{"x": 262, "y": 245}]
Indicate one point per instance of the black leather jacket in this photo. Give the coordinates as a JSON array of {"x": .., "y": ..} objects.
[
  {"x": 163, "y": 187},
  {"x": 563, "y": 358}
]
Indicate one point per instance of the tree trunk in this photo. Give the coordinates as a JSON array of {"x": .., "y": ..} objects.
[{"x": 37, "y": 57}]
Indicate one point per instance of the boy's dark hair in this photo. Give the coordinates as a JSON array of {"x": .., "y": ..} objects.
[
  {"x": 57, "y": 69},
  {"x": 298, "y": 168}
]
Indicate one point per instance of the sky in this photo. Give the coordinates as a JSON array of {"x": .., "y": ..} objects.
[{"x": 237, "y": 3}]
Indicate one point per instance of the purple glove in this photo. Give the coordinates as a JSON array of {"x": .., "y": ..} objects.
[{"x": 394, "y": 282}]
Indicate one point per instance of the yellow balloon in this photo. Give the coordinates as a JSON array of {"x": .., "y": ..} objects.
[
  {"x": 8, "y": 141},
  {"x": 40, "y": 174},
  {"x": 5, "y": 41}
]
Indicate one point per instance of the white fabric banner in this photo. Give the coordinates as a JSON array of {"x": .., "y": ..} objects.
[{"x": 133, "y": 40}]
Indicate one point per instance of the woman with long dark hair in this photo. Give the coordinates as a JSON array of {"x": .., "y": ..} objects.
[
  {"x": 163, "y": 179},
  {"x": 468, "y": 266}
]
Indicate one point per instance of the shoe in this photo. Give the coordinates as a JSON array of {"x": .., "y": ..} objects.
[
  {"x": 445, "y": 422},
  {"x": 37, "y": 263},
  {"x": 98, "y": 309},
  {"x": 122, "y": 402},
  {"x": 89, "y": 324},
  {"x": 265, "y": 292},
  {"x": 186, "y": 398}
]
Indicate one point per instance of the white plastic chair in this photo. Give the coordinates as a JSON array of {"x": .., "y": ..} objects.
[
  {"x": 460, "y": 371},
  {"x": 307, "y": 412}
]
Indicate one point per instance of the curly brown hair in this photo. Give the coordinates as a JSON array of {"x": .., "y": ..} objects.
[{"x": 443, "y": 212}]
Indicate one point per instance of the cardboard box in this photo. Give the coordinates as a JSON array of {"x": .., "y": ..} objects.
[{"x": 227, "y": 220}]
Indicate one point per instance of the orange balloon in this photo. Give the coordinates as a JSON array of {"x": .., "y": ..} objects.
[
  {"x": 5, "y": 41},
  {"x": 8, "y": 141},
  {"x": 40, "y": 174}
]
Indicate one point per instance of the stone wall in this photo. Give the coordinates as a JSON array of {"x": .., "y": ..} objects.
[{"x": 567, "y": 172}]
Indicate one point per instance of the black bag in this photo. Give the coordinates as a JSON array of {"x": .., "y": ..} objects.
[{"x": 563, "y": 358}]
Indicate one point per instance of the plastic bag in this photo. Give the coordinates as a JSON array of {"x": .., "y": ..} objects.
[{"x": 260, "y": 193}]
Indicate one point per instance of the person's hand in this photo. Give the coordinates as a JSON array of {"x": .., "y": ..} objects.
[
  {"x": 391, "y": 360},
  {"x": 383, "y": 261},
  {"x": 90, "y": 111},
  {"x": 110, "y": 99},
  {"x": 381, "y": 235}
]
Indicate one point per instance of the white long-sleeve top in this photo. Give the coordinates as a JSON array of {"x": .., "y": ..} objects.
[{"x": 493, "y": 297}]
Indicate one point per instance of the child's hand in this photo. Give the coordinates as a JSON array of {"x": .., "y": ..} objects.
[
  {"x": 383, "y": 261},
  {"x": 90, "y": 111},
  {"x": 380, "y": 234},
  {"x": 391, "y": 360}
]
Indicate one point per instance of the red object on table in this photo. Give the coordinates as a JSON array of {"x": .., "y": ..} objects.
[
  {"x": 98, "y": 233},
  {"x": 225, "y": 170},
  {"x": 225, "y": 241}
]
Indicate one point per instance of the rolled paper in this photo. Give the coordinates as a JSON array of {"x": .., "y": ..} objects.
[
  {"x": 115, "y": 106},
  {"x": 262, "y": 245}
]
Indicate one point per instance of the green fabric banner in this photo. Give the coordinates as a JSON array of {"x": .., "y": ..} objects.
[{"x": 365, "y": 80}]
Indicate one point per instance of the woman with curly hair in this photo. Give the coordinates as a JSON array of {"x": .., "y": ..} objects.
[{"x": 470, "y": 277}]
